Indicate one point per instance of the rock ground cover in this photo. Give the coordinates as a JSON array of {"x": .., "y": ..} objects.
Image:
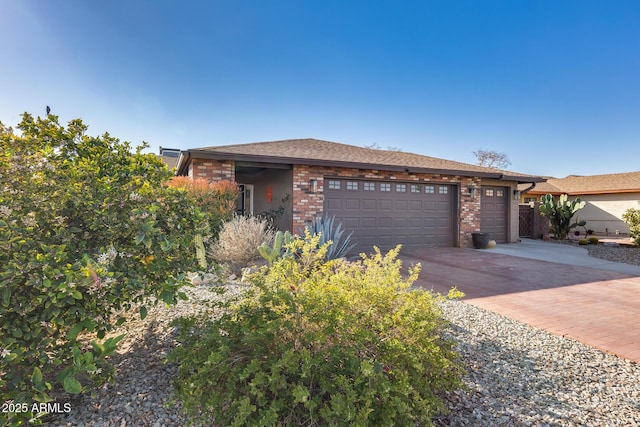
[{"x": 516, "y": 375}]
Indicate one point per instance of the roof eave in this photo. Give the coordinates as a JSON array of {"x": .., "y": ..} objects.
[{"x": 202, "y": 154}]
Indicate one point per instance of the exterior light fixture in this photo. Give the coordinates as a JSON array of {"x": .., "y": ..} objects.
[
  {"x": 472, "y": 192},
  {"x": 516, "y": 194},
  {"x": 313, "y": 185}
]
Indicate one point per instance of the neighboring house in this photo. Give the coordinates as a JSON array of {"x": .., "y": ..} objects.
[
  {"x": 170, "y": 156},
  {"x": 384, "y": 197},
  {"x": 607, "y": 197}
]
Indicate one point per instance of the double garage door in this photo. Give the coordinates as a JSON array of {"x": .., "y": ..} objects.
[{"x": 388, "y": 213}]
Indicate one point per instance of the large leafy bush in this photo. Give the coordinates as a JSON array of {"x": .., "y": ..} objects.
[
  {"x": 216, "y": 200},
  {"x": 319, "y": 343},
  {"x": 86, "y": 228}
]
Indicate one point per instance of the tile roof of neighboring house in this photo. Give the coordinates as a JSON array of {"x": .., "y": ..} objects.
[
  {"x": 326, "y": 153},
  {"x": 628, "y": 182}
]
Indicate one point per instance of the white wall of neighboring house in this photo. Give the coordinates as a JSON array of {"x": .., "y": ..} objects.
[{"x": 604, "y": 211}]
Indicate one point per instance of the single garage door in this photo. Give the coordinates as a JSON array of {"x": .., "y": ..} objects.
[
  {"x": 493, "y": 217},
  {"x": 388, "y": 213}
]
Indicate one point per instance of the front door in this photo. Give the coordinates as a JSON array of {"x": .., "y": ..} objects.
[
  {"x": 494, "y": 211},
  {"x": 244, "y": 204}
]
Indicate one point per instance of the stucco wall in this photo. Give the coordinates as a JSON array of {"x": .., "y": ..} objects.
[
  {"x": 280, "y": 182},
  {"x": 604, "y": 211}
]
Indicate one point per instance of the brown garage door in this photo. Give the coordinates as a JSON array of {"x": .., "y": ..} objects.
[
  {"x": 388, "y": 213},
  {"x": 493, "y": 217}
]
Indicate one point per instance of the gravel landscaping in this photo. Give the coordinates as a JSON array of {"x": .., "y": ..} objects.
[
  {"x": 623, "y": 254},
  {"x": 516, "y": 375}
]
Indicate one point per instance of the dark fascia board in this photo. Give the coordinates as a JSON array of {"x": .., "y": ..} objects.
[{"x": 201, "y": 154}]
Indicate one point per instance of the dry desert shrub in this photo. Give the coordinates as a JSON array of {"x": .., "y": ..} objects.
[{"x": 238, "y": 241}]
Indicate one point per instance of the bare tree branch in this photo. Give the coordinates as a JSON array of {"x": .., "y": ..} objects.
[{"x": 492, "y": 159}]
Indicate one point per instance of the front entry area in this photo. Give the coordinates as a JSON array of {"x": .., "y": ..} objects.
[{"x": 388, "y": 213}]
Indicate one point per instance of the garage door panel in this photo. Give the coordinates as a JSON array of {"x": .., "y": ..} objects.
[
  {"x": 402, "y": 205},
  {"x": 352, "y": 223},
  {"x": 352, "y": 204},
  {"x": 385, "y": 205},
  {"x": 368, "y": 222},
  {"x": 401, "y": 223},
  {"x": 415, "y": 205},
  {"x": 385, "y": 222},
  {"x": 368, "y": 204},
  {"x": 414, "y": 222},
  {"x": 409, "y": 214},
  {"x": 333, "y": 204}
]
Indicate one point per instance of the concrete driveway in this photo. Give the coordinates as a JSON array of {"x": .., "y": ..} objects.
[{"x": 575, "y": 296}]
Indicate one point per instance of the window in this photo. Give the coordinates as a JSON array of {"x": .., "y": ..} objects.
[
  {"x": 499, "y": 193},
  {"x": 415, "y": 188},
  {"x": 443, "y": 190},
  {"x": 385, "y": 186},
  {"x": 429, "y": 189},
  {"x": 401, "y": 188},
  {"x": 488, "y": 192},
  {"x": 530, "y": 199},
  {"x": 369, "y": 186},
  {"x": 352, "y": 185},
  {"x": 334, "y": 185}
]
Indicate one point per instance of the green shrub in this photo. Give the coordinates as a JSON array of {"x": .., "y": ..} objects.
[
  {"x": 632, "y": 217},
  {"x": 216, "y": 200},
  {"x": 593, "y": 240},
  {"x": 217, "y": 203},
  {"x": 86, "y": 228},
  {"x": 319, "y": 343},
  {"x": 583, "y": 242},
  {"x": 238, "y": 241}
]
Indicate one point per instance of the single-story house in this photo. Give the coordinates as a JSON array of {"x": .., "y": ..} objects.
[
  {"x": 385, "y": 197},
  {"x": 607, "y": 197}
]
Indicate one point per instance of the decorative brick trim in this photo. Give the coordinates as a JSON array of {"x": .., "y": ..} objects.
[{"x": 212, "y": 170}]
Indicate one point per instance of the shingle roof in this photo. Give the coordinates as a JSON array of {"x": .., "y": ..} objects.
[
  {"x": 319, "y": 152},
  {"x": 628, "y": 182}
]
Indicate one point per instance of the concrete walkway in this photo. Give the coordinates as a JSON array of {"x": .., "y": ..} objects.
[
  {"x": 563, "y": 254},
  {"x": 575, "y": 296}
]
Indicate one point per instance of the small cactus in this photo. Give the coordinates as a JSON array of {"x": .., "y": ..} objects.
[
  {"x": 272, "y": 253},
  {"x": 200, "y": 251},
  {"x": 593, "y": 240},
  {"x": 583, "y": 242}
]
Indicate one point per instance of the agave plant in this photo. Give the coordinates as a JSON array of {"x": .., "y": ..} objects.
[{"x": 324, "y": 226}]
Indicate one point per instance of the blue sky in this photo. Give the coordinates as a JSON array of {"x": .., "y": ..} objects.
[{"x": 553, "y": 84}]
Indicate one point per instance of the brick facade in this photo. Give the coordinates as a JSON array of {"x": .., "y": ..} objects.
[
  {"x": 308, "y": 202},
  {"x": 212, "y": 170}
]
